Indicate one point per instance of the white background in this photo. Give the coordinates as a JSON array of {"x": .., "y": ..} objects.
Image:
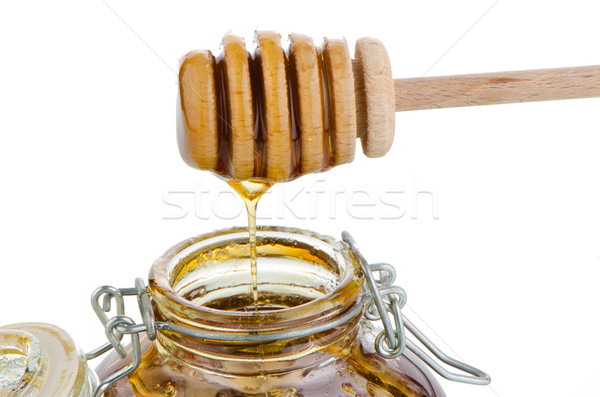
[{"x": 507, "y": 275}]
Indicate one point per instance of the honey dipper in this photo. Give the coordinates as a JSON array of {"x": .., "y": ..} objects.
[{"x": 275, "y": 115}]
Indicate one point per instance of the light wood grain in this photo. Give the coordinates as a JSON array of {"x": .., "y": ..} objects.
[
  {"x": 374, "y": 90},
  {"x": 496, "y": 88}
]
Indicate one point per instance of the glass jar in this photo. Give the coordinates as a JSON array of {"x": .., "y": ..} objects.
[{"x": 310, "y": 296}]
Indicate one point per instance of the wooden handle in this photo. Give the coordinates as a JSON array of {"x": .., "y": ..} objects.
[{"x": 496, "y": 88}]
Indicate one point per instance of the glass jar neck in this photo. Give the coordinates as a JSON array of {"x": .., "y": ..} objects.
[{"x": 307, "y": 283}]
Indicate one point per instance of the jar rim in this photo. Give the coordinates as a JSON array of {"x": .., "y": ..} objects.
[{"x": 179, "y": 309}]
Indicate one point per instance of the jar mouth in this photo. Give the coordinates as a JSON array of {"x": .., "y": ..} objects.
[{"x": 302, "y": 277}]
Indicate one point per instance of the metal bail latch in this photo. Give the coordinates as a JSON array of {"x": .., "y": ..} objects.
[
  {"x": 381, "y": 301},
  {"x": 119, "y": 325},
  {"x": 384, "y": 301}
]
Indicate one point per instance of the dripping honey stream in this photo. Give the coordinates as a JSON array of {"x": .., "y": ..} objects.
[{"x": 251, "y": 191}]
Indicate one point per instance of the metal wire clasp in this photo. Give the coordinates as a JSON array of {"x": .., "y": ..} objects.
[
  {"x": 384, "y": 302},
  {"x": 381, "y": 301},
  {"x": 120, "y": 325}
]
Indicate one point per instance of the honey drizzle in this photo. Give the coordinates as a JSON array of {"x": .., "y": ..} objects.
[
  {"x": 328, "y": 134},
  {"x": 251, "y": 192},
  {"x": 258, "y": 105},
  {"x": 224, "y": 125},
  {"x": 294, "y": 111}
]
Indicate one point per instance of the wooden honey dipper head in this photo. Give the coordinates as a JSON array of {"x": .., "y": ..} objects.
[{"x": 275, "y": 115}]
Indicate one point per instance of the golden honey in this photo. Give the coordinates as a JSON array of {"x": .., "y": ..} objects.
[{"x": 251, "y": 192}]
